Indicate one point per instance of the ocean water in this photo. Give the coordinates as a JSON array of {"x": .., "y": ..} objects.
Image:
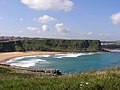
[{"x": 69, "y": 63}]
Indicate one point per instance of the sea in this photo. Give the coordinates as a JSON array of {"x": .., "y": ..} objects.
[{"x": 72, "y": 63}]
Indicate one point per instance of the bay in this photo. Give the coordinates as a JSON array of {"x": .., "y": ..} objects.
[{"x": 70, "y": 63}]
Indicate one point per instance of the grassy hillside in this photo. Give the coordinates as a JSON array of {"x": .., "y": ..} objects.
[
  {"x": 14, "y": 79},
  {"x": 51, "y": 45}
]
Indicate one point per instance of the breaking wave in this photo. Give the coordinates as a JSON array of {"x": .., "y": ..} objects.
[
  {"x": 72, "y": 55},
  {"x": 28, "y": 63},
  {"x": 20, "y": 58}
]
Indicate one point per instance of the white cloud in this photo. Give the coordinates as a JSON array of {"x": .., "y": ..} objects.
[
  {"x": 20, "y": 32},
  {"x": 101, "y": 34},
  {"x": 45, "y": 19},
  {"x": 107, "y": 34},
  {"x": 65, "y": 5},
  {"x": 45, "y": 28},
  {"x": 115, "y": 18},
  {"x": 89, "y": 33},
  {"x": 32, "y": 28},
  {"x": 20, "y": 19},
  {"x": 61, "y": 28}
]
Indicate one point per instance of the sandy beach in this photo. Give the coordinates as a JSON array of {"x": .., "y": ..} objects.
[{"x": 9, "y": 55}]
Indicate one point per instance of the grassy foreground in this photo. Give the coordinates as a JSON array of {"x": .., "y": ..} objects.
[{"x": 11, "y": 79}]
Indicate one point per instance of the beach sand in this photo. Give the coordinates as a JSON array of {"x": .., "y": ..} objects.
[{"x": 6, "y": 56}]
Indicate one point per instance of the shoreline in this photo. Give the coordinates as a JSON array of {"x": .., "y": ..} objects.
[
  {"x": 9, "y": 55},
  {"x": 5, "y": 56}
]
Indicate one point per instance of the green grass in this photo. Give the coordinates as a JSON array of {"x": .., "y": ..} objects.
[{"x": 97, "y": 80}]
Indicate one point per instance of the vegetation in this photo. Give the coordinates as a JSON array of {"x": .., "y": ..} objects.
[
  {"x": 51, "y": 45},
  {"x": 11, "y": 79}
]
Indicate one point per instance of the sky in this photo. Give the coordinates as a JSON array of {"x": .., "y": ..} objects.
[{"x": 67, "y": 19}]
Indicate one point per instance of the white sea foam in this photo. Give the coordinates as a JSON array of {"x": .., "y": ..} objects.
[
  {"x": 72, "y": 55},
  {"x": 20, "y": 58},
  {"x": 28, "y": 63},
  {"x": 19, "y": 61},
  {"x": 14, "y": 59}
]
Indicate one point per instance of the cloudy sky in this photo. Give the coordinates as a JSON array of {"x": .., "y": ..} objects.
[{"x": 69, "y": 19}]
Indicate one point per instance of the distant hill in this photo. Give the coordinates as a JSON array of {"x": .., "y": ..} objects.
[{"x": 110, "y": 45}]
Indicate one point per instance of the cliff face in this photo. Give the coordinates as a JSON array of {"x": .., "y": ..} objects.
[{"x": 51, "y": 45}]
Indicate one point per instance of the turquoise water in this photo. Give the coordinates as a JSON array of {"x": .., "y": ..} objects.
[{"x": 70, "y": 63}]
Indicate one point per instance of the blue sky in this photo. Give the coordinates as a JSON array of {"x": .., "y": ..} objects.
[{"x": 69, "y": 19}]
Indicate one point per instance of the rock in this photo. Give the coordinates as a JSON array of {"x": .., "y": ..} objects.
[{"x": 48, "y": 71}]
